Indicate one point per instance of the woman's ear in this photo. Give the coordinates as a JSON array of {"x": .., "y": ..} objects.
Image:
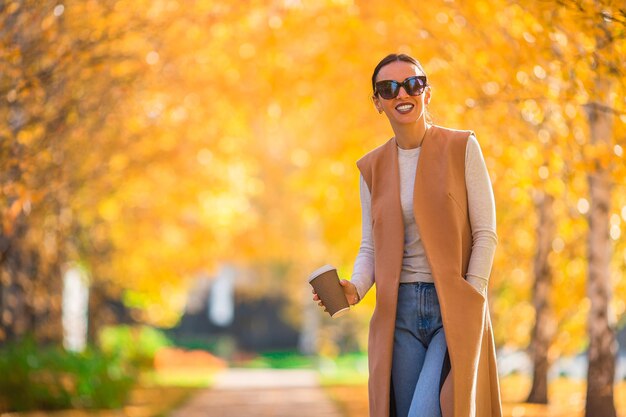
[
  {"x": 427, "y": 96},
  {"x": 379, "y": 108}
]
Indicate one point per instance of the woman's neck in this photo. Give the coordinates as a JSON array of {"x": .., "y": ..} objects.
[{"x": 410, "y": 136}]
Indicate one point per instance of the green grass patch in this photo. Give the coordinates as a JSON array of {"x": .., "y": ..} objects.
[
  {"x": 348, "y": 369},
  {"x": 188, "y": 378},
  {"x": 134, "y": 344},
  {"x": 280, "y": 360},
  {"x": 50, "y": 378}
]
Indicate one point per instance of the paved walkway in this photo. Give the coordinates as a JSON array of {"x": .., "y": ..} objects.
[{"x": 261, "y": 393}]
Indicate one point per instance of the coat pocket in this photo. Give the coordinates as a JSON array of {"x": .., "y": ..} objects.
[
  {"x": 472, "y": 289},
  {"x": 456, "y": 203}
]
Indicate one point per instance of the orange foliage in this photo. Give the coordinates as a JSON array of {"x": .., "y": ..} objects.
[{"x": 168, "y": 358}]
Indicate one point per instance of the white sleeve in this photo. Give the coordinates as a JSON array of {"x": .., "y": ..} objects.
[
  {"x": 363, "y": 272},
  {"x": 482, "y": 213}
]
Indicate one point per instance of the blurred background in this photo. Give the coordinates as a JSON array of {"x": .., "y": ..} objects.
[{"x": 171, "y": 172}]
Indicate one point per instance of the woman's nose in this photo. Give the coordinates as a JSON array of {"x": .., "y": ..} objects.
[{"x": 402, "y": 92}]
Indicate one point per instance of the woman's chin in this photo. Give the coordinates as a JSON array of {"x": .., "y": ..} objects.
[{"x": 409, "y": 118}]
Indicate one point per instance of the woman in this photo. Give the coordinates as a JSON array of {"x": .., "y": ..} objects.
[{"x": 428, "y": 243}]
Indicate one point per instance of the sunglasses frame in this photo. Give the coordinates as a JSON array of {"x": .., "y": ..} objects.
[{"x": 406, "y": 84}]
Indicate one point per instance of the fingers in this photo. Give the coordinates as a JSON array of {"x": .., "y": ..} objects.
[{"x": 317, "y": 298}]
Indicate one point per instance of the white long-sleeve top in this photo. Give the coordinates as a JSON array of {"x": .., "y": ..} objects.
[{"x": 415, "y": 267}]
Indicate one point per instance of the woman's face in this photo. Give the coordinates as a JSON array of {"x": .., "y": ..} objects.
[{"x": 404, "y": 108}]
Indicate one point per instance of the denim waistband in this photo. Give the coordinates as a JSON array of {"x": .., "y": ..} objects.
[{"x": 419, "y": 283}]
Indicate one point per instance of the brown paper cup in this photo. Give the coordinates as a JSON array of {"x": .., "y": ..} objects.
[{"x": 325, "y": 281}]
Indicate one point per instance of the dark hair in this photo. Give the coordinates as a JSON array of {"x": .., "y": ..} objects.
[{"x": 393, "y": 58}]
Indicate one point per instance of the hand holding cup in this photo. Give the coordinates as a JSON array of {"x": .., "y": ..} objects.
[
  {"x": 349, "y": 290},
  {"x": 333, "y": 294}
]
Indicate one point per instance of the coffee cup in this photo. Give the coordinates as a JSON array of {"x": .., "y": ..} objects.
[{"x": 325, "y": 282}]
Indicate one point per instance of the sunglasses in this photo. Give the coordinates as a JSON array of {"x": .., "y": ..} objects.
[{"x": 414, "y": 86}]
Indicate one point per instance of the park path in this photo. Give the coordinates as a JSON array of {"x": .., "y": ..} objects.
[{"x": 261, "y": 393}]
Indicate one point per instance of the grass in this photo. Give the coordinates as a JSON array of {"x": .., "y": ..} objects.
[
  {"x": 567, "y": 398},
  {"x": 157, "y": 394},
  {"x": 182, "y": 377},
  {"x": 344, "y": 370},
  {"x": 277, "y": 360},
  {"x": 154, "y": 401}
]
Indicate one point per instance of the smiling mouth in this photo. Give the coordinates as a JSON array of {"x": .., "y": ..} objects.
[{"x": 405, "y": 107}]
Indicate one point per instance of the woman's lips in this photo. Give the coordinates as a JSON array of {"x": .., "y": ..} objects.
[{"x": 404, "y": 107}]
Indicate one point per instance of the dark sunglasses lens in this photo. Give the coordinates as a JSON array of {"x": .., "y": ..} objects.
[
  {"x": 415, "y": 85},
  {"x": 387, "y": 89}
]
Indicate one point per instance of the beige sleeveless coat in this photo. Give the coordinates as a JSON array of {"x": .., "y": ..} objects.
[{"x": 471, "y": 386}]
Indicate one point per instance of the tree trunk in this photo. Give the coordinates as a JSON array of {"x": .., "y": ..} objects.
[
  {"x": 15, "y": 317},
  {"x": 30, "y": 255},
  {"x": 602, "y": 343},
  {"x": 544, "y": 329}
]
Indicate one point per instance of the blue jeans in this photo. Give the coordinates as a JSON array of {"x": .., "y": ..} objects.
[{"x": 419, "y": 349}]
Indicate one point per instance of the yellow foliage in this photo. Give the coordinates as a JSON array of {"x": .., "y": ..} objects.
[{"x": 184, "y": 137}]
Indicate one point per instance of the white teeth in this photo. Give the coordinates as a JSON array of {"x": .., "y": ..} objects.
[{"x": 404, "y": 107}]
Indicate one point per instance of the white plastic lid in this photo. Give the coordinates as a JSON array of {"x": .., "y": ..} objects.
[
  {"x": 341, "y": 312},
  {"x": 320, "y": 271}
]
